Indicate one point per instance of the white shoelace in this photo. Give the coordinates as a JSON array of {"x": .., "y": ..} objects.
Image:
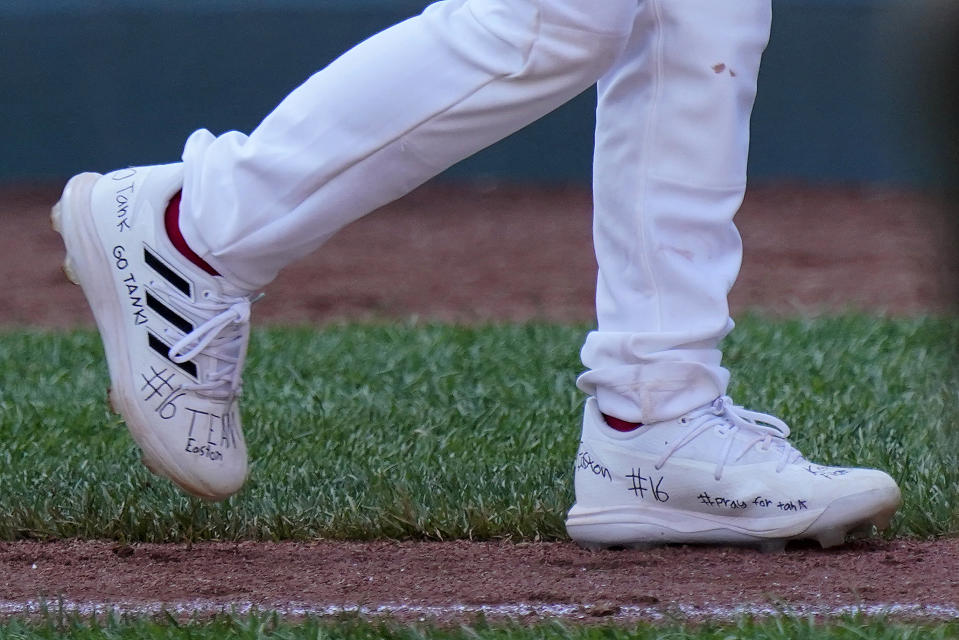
[
  {"x": 223, "y": 337},
  {"x": 728, "y": 419}
]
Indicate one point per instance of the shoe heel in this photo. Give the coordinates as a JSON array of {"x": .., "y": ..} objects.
[
  {"x": 56, "y": 217},
  {"x": 70, "y": 271},
  {"x": 56, "y": 221}
]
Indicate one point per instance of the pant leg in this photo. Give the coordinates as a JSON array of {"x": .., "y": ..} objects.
[
  {"x": 669, "y": 174},
  {"x": 385, "y": 117}
]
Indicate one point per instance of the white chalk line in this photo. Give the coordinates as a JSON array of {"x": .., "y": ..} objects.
[{"x": 90, "y": 608}]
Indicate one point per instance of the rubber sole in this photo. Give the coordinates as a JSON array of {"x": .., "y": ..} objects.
[{"x": 854, "y": 515}]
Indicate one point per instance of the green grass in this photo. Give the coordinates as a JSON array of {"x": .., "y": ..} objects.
[
  {"x": 441, "y": 432},
  {"x": 270, "y": 626}
]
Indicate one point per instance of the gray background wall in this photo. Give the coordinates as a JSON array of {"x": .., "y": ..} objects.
[{"x": 90, "y": 84}]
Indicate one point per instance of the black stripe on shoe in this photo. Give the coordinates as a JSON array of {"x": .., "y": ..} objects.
[
  {"x": 169, "y": 314},
  {"x": 163, "y": 269},
  {"x": 164, "y": 350}
]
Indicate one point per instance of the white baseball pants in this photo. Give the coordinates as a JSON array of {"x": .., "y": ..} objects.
[{"x": 677, "y": 80}]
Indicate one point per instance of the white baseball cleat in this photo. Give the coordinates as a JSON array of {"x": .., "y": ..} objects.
[
  {"x": 175, "y": 337},
  {"x": 718, "y": 475}
]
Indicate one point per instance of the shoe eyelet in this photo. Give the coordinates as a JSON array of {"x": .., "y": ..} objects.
[
  {"x": 206, "y": 293},
  {"x": 683, "y": 420}
]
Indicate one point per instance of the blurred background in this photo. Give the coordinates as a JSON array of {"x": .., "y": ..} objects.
[
  {"x": 856, "y": 117},
  {"x": 104, "y": 83}
]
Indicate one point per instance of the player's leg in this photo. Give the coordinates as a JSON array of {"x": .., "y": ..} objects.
[
  {"x": 670, "y": 173},
  {"x": 386, "y": 116}
]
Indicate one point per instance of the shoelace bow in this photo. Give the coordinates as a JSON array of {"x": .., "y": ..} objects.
[
  {"x": 223, "y": 337},
  {"x": 728, "y": 418}
]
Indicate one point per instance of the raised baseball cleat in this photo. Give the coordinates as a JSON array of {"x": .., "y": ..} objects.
[
  {"x": 175, "y": 337},
  {"x": 718, "y": 475}
]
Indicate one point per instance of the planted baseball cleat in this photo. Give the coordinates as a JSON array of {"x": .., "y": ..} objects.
[
  {"x": 718, "y": 475},
  {"x": 175, "y": 337}
]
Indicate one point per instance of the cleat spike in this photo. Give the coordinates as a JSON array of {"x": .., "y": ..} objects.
[
  {"x": 881, "y": 520},
  {"x": 70, "y": 271},
  {"x": 771, "y": 546},
  {"x": 831, "y": 538},
  {"x": 112, "y": 402},
  {"x": 55, "y": 218}
]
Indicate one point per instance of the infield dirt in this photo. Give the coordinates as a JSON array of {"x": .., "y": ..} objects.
[
  {"x": 479, "y": 254},
  {"x": 474, "y": 254},
  {"x": 452, "y": 579}
]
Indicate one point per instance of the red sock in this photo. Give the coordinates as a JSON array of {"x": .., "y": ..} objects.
[
  {"x": 621, "y": 425},
  {"x": 172, "y": 222}
]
